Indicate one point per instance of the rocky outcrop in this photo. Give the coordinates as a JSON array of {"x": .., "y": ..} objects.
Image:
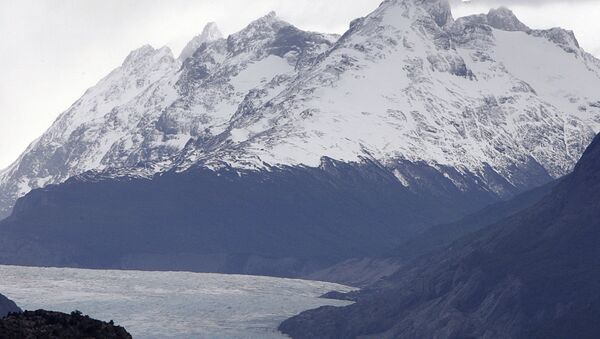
[{"x": 55, "y": 325}]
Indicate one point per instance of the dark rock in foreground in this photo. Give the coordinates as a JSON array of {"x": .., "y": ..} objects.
[{"x": 48, "y": 324}]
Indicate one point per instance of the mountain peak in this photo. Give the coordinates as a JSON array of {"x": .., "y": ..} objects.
[
  {"x": 257, "y": 33},
  {"x": 504, "y": 19},
  {"x": 210, "y": 33},
  {"x": 138, "y": 52},
  {"x": 438, "y": 10},
  {"x": 269, "y": 19},
  {"x": 267, "y": 22},
  {"x": 146, "y": 51}
]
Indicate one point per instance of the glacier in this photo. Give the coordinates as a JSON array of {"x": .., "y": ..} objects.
[{"x": 169, "y": 304}]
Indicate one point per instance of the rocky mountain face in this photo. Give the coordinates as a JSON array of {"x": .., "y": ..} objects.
[
  {"x": 531, "y": 275},
  {"x": 410, "y": 111}
]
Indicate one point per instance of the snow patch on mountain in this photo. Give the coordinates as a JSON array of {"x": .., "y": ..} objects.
[{"x": 260, "y": 72}]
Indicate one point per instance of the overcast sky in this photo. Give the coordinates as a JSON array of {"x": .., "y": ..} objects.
[{"x": 51, "y": 51}]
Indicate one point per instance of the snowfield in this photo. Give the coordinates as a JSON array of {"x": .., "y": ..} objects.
[{"x": 169, "y": 304}]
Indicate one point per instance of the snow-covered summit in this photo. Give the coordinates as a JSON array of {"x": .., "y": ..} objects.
[
  {"x": 257, "y": 35},
  {"x": 402, "y": 84},
  {"x": 210, "y": 33}
]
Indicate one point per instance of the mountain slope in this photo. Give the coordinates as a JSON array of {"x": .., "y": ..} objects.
[
  {"x": 532, "y": 275},
  {"x": 440, "y": 236},
  {"x": 286, "y": 222},
  {"x": 362, "y": 272}
]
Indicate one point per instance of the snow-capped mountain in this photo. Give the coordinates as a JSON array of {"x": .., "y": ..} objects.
[
  {"x": 481, "y": 101},
  {"x": 409, "y": 83},
  {"x": 153, "y": 104}
]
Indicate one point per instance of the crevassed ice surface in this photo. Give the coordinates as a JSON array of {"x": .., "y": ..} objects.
[{"x": 169, "y": 304}]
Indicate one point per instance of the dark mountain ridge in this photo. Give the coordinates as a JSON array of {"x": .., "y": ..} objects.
[
  {"x": 284, "y": 222},
  {"x": 362, "y": 272}
]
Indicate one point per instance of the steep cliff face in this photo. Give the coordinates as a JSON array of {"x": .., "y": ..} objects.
[{"x": 531, "y": 275}]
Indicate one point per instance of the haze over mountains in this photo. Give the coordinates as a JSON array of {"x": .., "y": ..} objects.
[{"x": 278, "y": 151}]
